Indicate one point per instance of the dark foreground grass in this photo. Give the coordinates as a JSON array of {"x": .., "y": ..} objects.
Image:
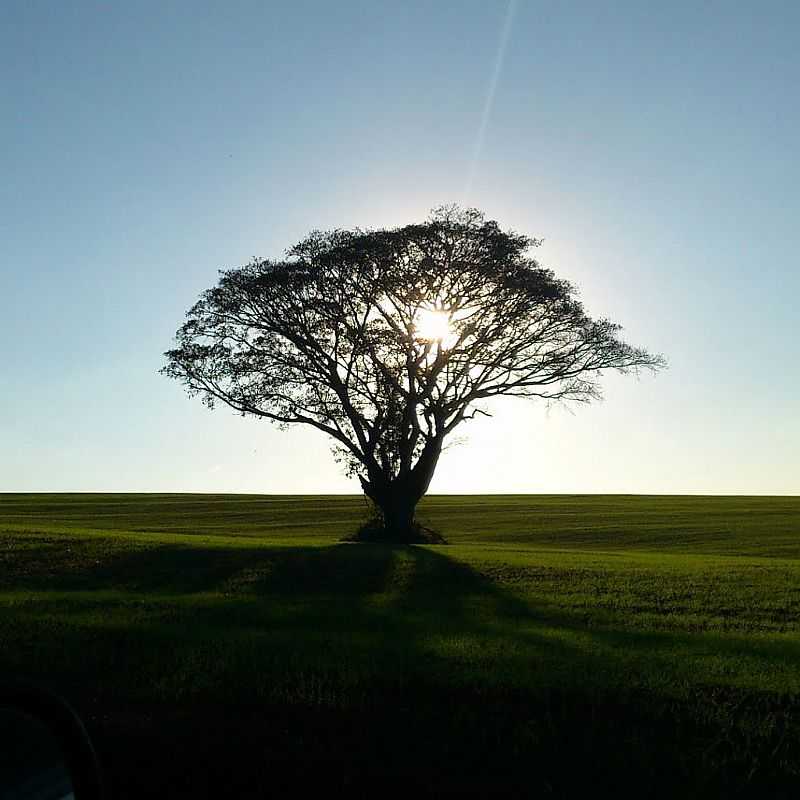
[{"x": 230, "y": 646}]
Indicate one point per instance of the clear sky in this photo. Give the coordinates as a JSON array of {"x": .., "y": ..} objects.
[{"x": 654, "y": 146}]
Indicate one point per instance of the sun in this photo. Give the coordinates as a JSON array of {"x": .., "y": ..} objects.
[{"x": 434, "y": 326}]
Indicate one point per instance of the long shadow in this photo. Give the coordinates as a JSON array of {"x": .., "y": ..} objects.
[
  {"x": 179, "y": 570},
  {"x": 371, "y": 623},
  {"x": 410, "y": 592}
]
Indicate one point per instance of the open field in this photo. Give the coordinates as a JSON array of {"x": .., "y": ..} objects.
[{"x": 635, "y": 644}]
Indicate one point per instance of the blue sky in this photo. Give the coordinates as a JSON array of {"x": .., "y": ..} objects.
[{"x": 653, "y": 146}]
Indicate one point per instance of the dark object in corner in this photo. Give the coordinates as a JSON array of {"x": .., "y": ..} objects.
[{"x": 45, "y": 751}]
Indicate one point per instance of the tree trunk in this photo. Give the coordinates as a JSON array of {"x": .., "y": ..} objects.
[
  {"x": 396, "y": 501},
  {"x": 398, "y": 515},
  {"x": 397, "y": 498}
]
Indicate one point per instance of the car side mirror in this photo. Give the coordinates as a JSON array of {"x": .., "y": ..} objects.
[{"x": 45, "y": 752}]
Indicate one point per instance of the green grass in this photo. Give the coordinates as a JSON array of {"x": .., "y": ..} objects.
[{"x": 541, "y": 619}]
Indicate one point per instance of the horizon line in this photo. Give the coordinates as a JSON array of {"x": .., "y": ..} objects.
[{"x": 698, "y": 493}]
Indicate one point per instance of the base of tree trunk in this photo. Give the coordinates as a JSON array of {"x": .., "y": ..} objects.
[{"x": 374, "y": 530}]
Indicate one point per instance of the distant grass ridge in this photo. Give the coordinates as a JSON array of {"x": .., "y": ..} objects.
[
  {"x": 756, "y": 525},
  {"x": 543, "y": 618}
]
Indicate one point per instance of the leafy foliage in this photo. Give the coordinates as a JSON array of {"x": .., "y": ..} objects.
[{"x": 334, "y": 337}]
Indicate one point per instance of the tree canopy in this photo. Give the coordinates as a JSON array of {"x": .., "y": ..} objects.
[{"x": 388, "y": 340}]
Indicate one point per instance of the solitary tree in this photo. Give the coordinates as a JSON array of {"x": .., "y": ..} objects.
[{"x": 388, "y": 340}]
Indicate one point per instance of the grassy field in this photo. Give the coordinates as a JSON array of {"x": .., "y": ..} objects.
[{"x": 557, "y": 643}]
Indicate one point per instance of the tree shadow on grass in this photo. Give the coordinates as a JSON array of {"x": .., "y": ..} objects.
[
  {"x": 190, "y": 569},
  {"x": 377, "y": 658},
  {"x": 413, "y": 594}
]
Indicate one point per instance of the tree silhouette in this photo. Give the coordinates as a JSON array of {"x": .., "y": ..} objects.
[{"x": 387, "y": 340}]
